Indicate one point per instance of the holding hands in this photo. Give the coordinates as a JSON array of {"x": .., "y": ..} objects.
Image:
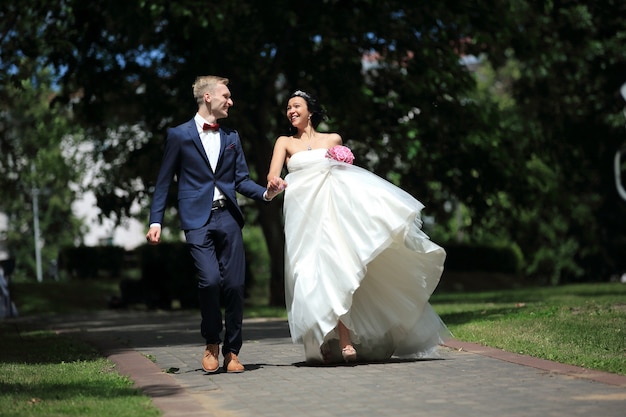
[{"x": 275, "y": 186}]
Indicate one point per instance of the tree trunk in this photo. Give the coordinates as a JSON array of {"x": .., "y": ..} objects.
[
  {"x": 270, "y": 218},
  {"x": 270, "y": 215}
]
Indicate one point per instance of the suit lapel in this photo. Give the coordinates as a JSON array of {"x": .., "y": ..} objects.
[
  {"x": 192, "y": 131},
  {"x": 222, "y": 147}
]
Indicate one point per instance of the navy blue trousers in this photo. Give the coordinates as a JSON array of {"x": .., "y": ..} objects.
[{"x": 219, "y": 256}]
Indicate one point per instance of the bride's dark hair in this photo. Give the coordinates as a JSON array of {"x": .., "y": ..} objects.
[{"x": 317, "y": 111}]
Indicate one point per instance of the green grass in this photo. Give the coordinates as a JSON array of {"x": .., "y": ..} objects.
[
  {"x": 582, "y": 325},
  {"x": 46, "y": 374},
  {"x": 252, "y": 311}
]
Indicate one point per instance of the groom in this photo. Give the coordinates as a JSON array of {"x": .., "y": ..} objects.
[{"x": 209, "y": 165}]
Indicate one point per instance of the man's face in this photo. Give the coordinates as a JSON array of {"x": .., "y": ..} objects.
[{"x": 220, "y": 101}]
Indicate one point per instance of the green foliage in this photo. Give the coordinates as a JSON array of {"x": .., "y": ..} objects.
[
  {"x": 571, "y": 64},
  {"x": 523, "y": 145},
  {"x": 37, "y": 161},
  {"x": 257, "y": 266},
  {"x": 548, "y": 84}
]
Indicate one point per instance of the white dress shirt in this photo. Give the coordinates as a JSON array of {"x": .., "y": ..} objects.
[{"x": 211, "y": 143}]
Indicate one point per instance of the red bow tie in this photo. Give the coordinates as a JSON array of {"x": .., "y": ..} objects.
[{"x": 210, "y": 126}]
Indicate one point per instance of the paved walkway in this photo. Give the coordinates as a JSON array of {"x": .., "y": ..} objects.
[{"x": 467, "y": 380}]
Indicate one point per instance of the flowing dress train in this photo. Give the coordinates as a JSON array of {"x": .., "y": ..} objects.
[{"x": 355, "y": 252}]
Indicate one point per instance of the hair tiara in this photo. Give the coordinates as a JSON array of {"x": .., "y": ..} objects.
[{"x": 300, "y": 93}]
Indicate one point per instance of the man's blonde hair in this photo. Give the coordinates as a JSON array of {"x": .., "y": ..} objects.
[{"x": 204, "y": 84}]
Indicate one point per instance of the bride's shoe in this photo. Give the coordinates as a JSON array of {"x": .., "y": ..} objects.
[{"x": 349, "y": 354}]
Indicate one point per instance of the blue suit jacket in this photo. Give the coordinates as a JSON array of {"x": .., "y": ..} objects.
[{"x": 185, "y": 158}]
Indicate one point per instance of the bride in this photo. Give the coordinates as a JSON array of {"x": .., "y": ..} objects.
[{"x": 358, "y": 268}]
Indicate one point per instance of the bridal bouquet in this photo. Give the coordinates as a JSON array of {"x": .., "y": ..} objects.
[{"x": 340, "y": 153}]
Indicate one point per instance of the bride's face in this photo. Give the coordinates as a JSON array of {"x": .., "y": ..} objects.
[{"x": 298, "y": 112}]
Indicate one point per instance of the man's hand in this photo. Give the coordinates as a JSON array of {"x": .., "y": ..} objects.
[
  {"x": 276, "y": 186},
  {"x": 154, "y": 235}
]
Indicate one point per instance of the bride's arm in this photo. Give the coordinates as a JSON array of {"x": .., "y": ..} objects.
[{"x": 278, "y": 158}]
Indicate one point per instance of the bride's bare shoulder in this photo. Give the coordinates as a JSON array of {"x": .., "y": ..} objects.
[
  {"x": 333, "y": 138},
  {"x": 283, "y": 141},
  {"x": 284, "y": 138}
]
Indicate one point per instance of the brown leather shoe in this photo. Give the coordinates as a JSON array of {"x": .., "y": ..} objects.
[
  {"x": 232, "y": 364},
  {"x": 210, "y": 361}
]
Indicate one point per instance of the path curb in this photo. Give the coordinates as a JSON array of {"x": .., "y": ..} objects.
[{"x": 543, "y": 364}]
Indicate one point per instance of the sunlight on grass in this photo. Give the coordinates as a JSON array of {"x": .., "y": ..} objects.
[
  {"x": 44, "y": 374},
  {"x": 582, "y": 325}
]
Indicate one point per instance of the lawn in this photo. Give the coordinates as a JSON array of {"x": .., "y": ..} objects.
[
  {"x": 45, "y": 374},
  {"x": 582, "y": 324}
]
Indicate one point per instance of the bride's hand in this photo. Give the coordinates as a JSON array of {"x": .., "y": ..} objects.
[{"x": 276, "y": 186}]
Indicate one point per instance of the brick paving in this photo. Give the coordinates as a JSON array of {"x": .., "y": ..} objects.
[{"x": 161, "y": 352}]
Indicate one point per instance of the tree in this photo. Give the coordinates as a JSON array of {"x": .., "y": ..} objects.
[
  {"x": 137, "y": 68},
  {"x": 413, "y": 117},
  {"x": 571, "y": 65},
  {"x": 37, "y": 163}
]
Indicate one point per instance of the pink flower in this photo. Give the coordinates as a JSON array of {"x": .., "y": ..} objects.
[{"x": 340, "y": 153}]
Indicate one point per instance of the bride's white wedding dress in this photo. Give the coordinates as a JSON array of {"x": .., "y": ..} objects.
[{"x": 355, "y": 252}]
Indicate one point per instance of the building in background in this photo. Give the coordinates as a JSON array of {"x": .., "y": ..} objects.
[{"x": 129, "y": 235}]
